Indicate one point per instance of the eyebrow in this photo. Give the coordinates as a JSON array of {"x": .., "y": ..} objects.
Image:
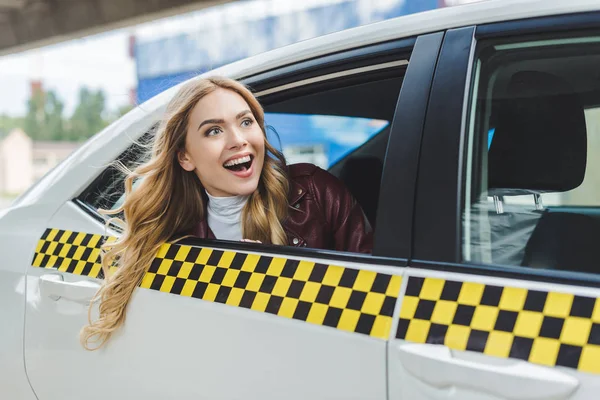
[{"x": 220, "y": 121}]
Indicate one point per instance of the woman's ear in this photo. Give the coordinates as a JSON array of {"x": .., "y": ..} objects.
[{"x": 185, "y": 161}]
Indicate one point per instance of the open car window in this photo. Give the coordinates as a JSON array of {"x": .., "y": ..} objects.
[{"x": 339, "y": 129}]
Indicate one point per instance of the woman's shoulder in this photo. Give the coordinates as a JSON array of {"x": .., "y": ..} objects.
[
  {"x": 306, "y": 171},
  {"x": 301, "y": 170},
  {"x": 306, "y": 174}
]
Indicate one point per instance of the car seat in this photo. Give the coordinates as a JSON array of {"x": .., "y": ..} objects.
[{"x": 540, "y": 146}]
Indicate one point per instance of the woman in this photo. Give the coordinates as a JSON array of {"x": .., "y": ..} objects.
[{"x": 213, "y": 174}]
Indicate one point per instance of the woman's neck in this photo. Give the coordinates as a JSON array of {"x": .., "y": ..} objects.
[
  {"x": 226, "y": 207},
  {"x": 225, "y": 216}
]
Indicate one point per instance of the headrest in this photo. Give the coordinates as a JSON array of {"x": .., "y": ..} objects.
[
  {"x": 362, "y": 176},
  {"x": 366, "y": 169},
  {"x": 540, "y": 139}
]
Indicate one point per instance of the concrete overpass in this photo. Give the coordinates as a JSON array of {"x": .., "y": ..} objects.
[{"x": 26, "y": 24}]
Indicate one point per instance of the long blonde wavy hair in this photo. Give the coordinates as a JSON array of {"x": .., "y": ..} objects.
[{"x": 168, "y": 203}]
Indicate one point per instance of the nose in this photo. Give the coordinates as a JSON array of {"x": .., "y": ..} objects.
[{"x": 237, "y": 139}]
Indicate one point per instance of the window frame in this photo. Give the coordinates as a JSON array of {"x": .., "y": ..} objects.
[
  {"x": 438, "y": 212},
  {"x": 360, "y": 59}
]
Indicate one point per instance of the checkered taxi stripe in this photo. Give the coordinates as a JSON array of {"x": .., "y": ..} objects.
[
  {"x": 73, "y": 252},
  {"x": 547, "y": 328},
  {"x": 352, "y": 300}
]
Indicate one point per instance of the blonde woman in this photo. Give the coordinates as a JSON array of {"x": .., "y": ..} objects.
[{"x": 213, "y": 174}]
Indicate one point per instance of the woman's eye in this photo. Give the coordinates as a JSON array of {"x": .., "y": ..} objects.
[
  {"x": 213, "y": 132},
  {"x": 247, "y": 122}
]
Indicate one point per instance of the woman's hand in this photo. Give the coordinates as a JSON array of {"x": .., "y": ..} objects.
[{"x": 251, "y": 241}]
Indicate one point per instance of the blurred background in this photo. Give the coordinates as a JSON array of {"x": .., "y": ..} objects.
[{"x": 68, "y": 68}]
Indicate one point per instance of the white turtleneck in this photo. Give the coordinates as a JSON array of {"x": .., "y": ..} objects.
[{"x": 225, "y": 216}]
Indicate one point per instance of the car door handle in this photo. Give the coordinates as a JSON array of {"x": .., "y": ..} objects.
[
  {"x": 54, "y": 287},
  {"x": 435, "y": 366}
]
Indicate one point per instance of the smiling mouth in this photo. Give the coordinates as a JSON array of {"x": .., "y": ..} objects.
[{"x": 240, "y": 164}]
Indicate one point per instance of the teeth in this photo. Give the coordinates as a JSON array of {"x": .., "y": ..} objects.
[{"x": 237, "y": 161}]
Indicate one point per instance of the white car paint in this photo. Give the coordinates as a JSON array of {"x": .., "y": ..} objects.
[{"x": 18, "y": 229}]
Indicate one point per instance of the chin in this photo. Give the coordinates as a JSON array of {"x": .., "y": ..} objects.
[{"x": 245, "y": 189}]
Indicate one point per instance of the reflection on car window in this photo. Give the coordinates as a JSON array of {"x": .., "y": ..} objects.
[{"x": 319, "y": 139}]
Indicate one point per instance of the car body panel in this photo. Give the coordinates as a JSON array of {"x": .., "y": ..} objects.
[
  {"x": 16, "y": 227},
  {"x": 198, "y": 345}
]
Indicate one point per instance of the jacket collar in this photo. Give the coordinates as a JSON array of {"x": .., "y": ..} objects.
[
  {"x": 297, "y": 192},
  {"x": 203, "y": 230}
]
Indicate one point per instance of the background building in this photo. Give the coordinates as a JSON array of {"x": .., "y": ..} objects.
[
  {"x": 23, "y": 161},
  {"x": 211, "y": 38},
  {"x": 16, "y": 166}
]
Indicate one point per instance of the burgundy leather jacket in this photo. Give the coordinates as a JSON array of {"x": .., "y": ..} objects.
[{"x": 323, "y": 213}]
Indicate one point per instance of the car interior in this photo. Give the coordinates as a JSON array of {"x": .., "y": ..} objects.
[
  {"x": 375, "y": 98},
  {"x": 539, "y": 146}
]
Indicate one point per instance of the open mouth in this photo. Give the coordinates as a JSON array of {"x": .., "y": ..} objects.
[{"x": 241, "y": 164}]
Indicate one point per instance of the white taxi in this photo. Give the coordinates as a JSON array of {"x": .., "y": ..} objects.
[{"x": 483, "y": 185}]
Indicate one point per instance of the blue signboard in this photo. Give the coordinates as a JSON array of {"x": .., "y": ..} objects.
[{"x": 165, "y": 62}]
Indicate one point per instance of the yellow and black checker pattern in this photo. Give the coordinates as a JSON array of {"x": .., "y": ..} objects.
[
  {"x": 351, "y": 300},
  {"x": 73, "y": 252},
  {"x": 547, "y": 328}
]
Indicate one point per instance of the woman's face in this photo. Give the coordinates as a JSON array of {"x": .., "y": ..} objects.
[{"x": 224, "y": 145}]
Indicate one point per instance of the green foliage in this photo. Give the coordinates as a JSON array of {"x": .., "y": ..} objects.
[
  {"x": 88, "y": 117},
  {"x": 45, "y": 119}
]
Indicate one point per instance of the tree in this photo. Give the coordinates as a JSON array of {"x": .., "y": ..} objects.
[
  {"x": 88, "y": 117},
  {"x": 54, "y": 117},
  {"x": 44, "y": 118},
  {"x": 45, "y": 121}
]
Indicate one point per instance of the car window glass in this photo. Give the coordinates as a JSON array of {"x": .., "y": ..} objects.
[
  {"x": 319, "y": 139},
  {"x": 533, "y": 155}
]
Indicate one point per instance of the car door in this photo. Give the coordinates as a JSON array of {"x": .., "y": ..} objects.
[
  {"x": 223, "y": 320},
  {"x": 500, "y": 300},
  {"x": 16, "y": 225}
]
